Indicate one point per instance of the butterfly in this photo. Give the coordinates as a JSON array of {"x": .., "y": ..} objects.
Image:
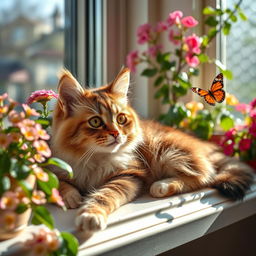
[{"x": 215, "y": 94}]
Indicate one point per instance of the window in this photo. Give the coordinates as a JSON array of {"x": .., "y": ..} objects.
[
  {"x": 241, "y": 53},
  {"x": 31, "y": 45}
]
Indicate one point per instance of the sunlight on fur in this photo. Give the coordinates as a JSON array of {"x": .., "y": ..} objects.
[{"x": 116, "y": 156}]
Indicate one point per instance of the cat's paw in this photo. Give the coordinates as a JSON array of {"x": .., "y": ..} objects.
[
  {"x": 72, "y": 199},
  {"x": 159, "y": 189},
  {"x": 90, "y": 222}
]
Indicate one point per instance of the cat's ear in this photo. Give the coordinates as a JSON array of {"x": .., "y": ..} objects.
[
  {"x": 70, "y": 92},
  {"x": 121, "y": 84}
]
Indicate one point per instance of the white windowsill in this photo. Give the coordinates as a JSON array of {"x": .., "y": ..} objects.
[{"x": 151, "y": 226}]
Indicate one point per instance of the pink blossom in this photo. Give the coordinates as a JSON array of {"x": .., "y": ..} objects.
[
  {"x": 9, "y": 201},
  {"x": 144, "y": 33},
  {"x": 15, "y": 117},
  {"x": 41, "y": 96},
  {"x": 174, "y": 17},
  {"x": 56, "y": 198},
  {"x": 161, "y": 26},
  {"x": 154, "y": 50},
  {"x": 228, "y": 147},
  {"x": 38, "y": 197},
  {"x": 245, "y": 144},
  {"x": 132, "y": 60},
  {"x": 189, "y": 22},
  {"x": 252, "y": 129},
  {"x": 230, "y": 133},
  {"x": 173, "y": 37},
  {"x": 253, "y": 103},
  {"x": 42, "y": 148},
  {"x": 243, "y": 108},
  {"x": 30, "y": 111},
  {"x": 192, "y": 60},
  {"x": 193, "y": 43}
]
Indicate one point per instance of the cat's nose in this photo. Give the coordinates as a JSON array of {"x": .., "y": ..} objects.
[{"x": 114, "y": 133}]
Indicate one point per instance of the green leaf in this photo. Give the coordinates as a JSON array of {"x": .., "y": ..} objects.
[
  {"x": 5, "y": 163},
  {"x": 226, "y": 28},
  {"x": 228, "y": 74},
  {"x": 163, "y": 57},
  {"x": 166, "y": 65},
  {"x": 242, "y": 15},
  {"x": 42, "y": 216},
  {"x": 5, "y": 184},
  {"x": 211, "y": 21},
  {"x": 162, "y": 92},
  {"x": 175, "y": 115},
  {"x": 60, "y": 163},
  {"x": 71, "y": 243},
  {"x": 205, "y": 40},
  {"x": 179, "y": 89},
  {"x": 27, "y": 188},
  {"x": 47, "y": 186},
  {"x": 212, "y": 32},
  {"x": 203, "y": 58},
  {"x": 194, "y": 71},
  {"x": 43, "y": 122},
  {"x": 159, "y": 80},
  {"x": 233, "y": 18},
  {"x": 149, "y": 72},
  {"x": 20, "y": 171},
  {"x": 209, "y": 10},
  {"x": 226, "y": 122},
  {"x": 21, "y": 208}
]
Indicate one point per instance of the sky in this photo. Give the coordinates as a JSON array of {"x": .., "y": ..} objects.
[{"x": 32, "y": 8}]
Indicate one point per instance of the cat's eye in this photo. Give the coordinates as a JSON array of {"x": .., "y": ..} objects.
[
  {"x": 121, "y": 119},
  {"x": 95, "y": 122}
]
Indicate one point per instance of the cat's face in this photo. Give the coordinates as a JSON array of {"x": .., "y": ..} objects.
[{"x": 97, "y": 120}]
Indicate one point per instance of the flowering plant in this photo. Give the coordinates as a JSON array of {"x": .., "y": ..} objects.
[
  {"x": 240, "y": 140},
  {"x": 173, "y": 68},
  {"x": 25, "y": 181}
]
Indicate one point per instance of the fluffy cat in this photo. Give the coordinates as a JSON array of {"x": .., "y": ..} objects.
[{"x": 116, "y": 156}]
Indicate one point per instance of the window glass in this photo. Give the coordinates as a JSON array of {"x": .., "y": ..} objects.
[
  {"x": 31, "y": 45},
  {"x": 241, "y": 53}
]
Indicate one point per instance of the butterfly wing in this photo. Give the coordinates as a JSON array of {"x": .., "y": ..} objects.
[
  {"x": 199, "y": 91},
  {"x": 219, "y": 95},
  {"x": 205, "y": 94},
  {"x": 217, "y": 83}
]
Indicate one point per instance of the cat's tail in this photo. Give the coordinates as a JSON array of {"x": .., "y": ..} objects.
[{"x": 233, "y": 177}]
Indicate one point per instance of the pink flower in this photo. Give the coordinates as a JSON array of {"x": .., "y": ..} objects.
[
  {"x": 174, "y": 17},
  {"x": 230, "y": 133},
  {"x": 5, "y": 140},
  {"x": 15, "y": 117},
  {"x": 189, "y": 22},
  {"x": 253, "y": 114},
  {"x": 252, "y": 129},
  {"x": 228, "y": 147},
  {"x": 174, "y": 37},
  {"x": 245, "y": 144},
  {"x": 193, "y": 43},
  {"x": 42, "y": 148},
  {"x": 38, "y": 197},
  {"x": 154, "y": 50},
  {"x": 243, "y": 108},
  {"x": 40, "y": 174},
  {"x": 30, "y": 133},
  {"x": 8, "y": 220},
  {"x": 132, "y": 60},
  {"x": 30, "y": 111},
  {"x": 192, "y": 60},
  {"x": 161, "y": 26},
  {"x": 41, "y": 96},
  {"x": 56, "y": 198},
  {"x": 253, "y": 103},
  {"x": 144, "y": 33},
  {"x": 9, "y": 201}
]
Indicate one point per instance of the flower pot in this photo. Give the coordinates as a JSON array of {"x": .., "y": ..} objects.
[{"x": 11, "y": 223}]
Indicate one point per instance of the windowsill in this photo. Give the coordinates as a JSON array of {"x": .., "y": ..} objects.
[{"x": 151, "y": 226}]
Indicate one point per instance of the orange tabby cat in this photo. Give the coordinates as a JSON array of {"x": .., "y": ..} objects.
[{"x": 116, "y": 156}]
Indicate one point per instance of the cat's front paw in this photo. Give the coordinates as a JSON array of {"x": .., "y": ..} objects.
[
  {"x": 90, "y": 222},
  {"x": 72, "y": 199},
  {"x": 159, "y": 189}
]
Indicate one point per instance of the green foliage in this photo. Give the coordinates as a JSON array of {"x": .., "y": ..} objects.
[
  {"x": 42, "y": 216},
  {"x": 69, "y": 244},
  {"x": 149, "y": 72},
  {"x": 47, "y": 186}
]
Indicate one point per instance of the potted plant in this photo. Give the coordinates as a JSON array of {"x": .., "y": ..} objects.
[
  {"x": 173, "y": 68},
  {"x": 26, "y": 183}
]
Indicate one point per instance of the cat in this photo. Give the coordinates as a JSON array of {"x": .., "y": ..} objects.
[{"x": 116, "y": 156}]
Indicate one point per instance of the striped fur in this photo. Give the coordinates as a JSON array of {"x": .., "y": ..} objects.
[{"x": 116, "y": 162}]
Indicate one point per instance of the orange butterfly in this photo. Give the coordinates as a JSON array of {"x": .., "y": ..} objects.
[{"x": 215, "y": 94}]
